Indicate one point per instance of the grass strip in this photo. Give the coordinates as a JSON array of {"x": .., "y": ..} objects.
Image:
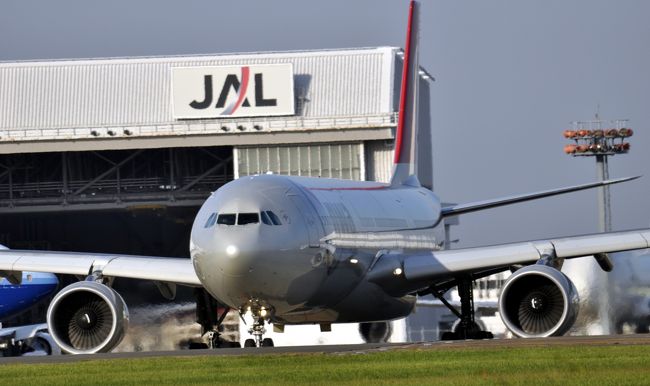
[{"x": 576, "y": 365}]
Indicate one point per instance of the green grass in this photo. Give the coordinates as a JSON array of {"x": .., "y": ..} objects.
[{"x": 593, "y": 365}]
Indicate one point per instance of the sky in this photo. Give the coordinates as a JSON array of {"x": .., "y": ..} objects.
[{"x": 510, "y": 76}]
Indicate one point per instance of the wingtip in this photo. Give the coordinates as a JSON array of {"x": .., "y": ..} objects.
[{"x": 619, "y": 180}]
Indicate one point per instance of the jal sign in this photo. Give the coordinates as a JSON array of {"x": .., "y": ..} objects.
[{"x": 232, "y": 91}]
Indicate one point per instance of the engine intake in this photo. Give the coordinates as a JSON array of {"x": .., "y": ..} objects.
[
  {"x": 375, "y": 332},
  {"x": 538, "y": 301},
  {"x": 87, "y": 317}
]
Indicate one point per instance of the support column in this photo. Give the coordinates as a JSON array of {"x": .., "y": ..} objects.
[
  {"x": 64, "y": 176},
  {"x": 605, "y": 225},
  {"x": 604, "y": 208}
]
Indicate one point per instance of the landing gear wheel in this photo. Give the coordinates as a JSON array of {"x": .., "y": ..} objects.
[
  {"x": 249, "y": 343},
  {"x": 448, "y": 335},
  {"x": 641, "y": 329},
  {"x": 198, "y": 346},
  {"x": 473, "y": 332},
  {"x": 40, "y": 345},
  {"x": 466, "y": 327},
  {"x": 267, "y": 342},
  {"x": 220, "y": 343}
]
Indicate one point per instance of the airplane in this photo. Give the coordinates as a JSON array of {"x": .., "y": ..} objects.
[
  {"x": 302, "y": 250},
  {"x": 18, "y": 294}
]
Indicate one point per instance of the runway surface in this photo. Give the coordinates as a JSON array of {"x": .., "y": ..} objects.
[{"x": 643, "y": 339}]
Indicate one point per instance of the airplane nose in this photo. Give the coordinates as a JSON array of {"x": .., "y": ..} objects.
[
  {"x": 232, "y": 251},
  {"x": 234, "y": 259}
]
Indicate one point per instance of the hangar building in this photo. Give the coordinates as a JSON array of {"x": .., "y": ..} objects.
[{"x": 137, "y": 144}]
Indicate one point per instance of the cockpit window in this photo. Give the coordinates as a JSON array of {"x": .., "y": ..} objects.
[
  {"x": 248, "y": 218},
  {"x": 265, "y": 218},
  {"x": 226, "y": 219},
  {"x": 274, "y": 218},
  {"x": 211, "y": 220}
]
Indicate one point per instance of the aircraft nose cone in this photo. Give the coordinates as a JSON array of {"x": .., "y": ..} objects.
[{"x": 234, "y": 260}]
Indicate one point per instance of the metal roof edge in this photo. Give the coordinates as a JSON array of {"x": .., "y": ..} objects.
[{"x": 165, "y": 58}]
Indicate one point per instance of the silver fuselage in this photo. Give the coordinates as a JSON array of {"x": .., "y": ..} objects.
[{"x": 312, "y": 266}]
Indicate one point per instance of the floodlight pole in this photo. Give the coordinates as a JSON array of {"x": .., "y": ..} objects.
[
  {"x": 604, "y": 208},
  {"x": 590, "y": 139}
]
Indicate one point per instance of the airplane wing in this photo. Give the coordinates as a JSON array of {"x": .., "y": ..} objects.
[
  {"x": 424, "y": 266},
  {"x": 457, "y": 209},
  {"x": 435, "y": 265},
  {"x": 161, "y": 269}
]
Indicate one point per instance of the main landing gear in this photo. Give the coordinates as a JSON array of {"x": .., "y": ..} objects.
[
  {"x": 466, "y": 328},
  {"x": 210, "y": 314}
]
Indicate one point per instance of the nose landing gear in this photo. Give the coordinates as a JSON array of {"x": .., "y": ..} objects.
[
  {"x": 257, "y": 329},
  {"x": 212, "y": 316}
]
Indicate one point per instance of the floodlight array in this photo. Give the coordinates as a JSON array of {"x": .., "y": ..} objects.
[{"x": 597, "y": 142}]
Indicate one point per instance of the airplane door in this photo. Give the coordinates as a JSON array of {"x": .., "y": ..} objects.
[{"x": 310, "y": 216}]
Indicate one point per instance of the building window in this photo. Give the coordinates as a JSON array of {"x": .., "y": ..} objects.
[{"x": 340, "y": 160}]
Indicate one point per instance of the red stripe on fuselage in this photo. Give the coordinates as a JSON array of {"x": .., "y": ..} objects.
[
  {"x": 359, "y": 188},
  {"x": 405, "y": 85}
]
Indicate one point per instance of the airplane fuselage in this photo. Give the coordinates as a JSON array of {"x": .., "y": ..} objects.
[
  {"x": 15, "y": 298},
  {"x": 301, "y": 247}
]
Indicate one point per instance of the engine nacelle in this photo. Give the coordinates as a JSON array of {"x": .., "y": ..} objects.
[
  {"x": 538, "y": 301},
  {"x": 87, "y": 317},
  {"x": 375, "y": 332}
]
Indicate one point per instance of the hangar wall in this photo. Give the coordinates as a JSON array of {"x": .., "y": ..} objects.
[{"x": 116, "y": 103}]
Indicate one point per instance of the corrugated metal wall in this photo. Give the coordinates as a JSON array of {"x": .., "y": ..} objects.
[
  {"x": 329, "y": 160},
  {"x": 93, "y": 93}
]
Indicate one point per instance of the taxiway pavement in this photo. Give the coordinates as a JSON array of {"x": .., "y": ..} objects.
[{"x": 642, "y": 339}]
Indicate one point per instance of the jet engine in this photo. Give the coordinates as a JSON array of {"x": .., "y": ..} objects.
[
  {"x": 87, "y": 317},
  {"x": 375, "y": 332},
  {"x": 538, "y": 301}
]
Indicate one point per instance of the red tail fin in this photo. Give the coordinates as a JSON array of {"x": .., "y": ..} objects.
[{"x": 404, "y": 161}]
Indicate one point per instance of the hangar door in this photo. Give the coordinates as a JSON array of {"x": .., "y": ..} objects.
[{"x": 339, "y": 160}]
